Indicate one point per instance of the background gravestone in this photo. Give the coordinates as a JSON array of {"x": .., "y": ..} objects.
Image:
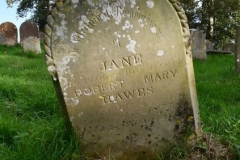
[
  {"x": 209, "y": 45},
  {"x": 237, "y": 55},
  {"x": 29, "y": 37},
  {"x": 198, "y": 44},
  {"x": 230, "y": 47},
  {"x": 124, "y": 72},
  {"x": 8, "y": 34}
]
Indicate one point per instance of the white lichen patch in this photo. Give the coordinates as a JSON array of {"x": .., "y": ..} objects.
[
  {"x": 62, "y": 30},
  {"x": 133, "y": 3},
  {"x": 91, "y": 3},
  {"x": 83, "y": 24},
  {"x": 131, "y": 46},
  {"x": 153, "y": 29},
  {"x": 64, "y": 83},
  {"x": 90, "y": 30},
  {"x": 75, "y": 1},
  {"x": 150, "y": 4},
  {"x": 71, "y": 119},
  {"x": 51, "y": 69},
  {"x": 117, "y": 34},
  {"x": 238, "y": 60},
  {"x": 104, "y": 18},
  {"x": 140, "y": 22},
  {"x": 72, "y": 102},
  {"x": 63, "y": 69},
  {"x": 112, "y": 98},
  {"x": 137, "y": 31},
  {"x": 160, "y": 53},
  {"x": 127, "y": 25},
  {"x": 85, "y": 19}
]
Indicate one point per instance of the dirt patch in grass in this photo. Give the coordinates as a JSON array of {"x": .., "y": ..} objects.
[{"x": 207, "y": 147}]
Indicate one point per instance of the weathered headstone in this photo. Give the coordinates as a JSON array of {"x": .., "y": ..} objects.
[
  {"x": 8, "y": 34},
  {"x": 198, "y": 44},
  {"x": 29, "y": 37},
  {"x": 230, "y": 47},
  {"x": 237, "y": 55},
  {"x": 209, "y": 45},
  {"x": 125, "y": 72}
]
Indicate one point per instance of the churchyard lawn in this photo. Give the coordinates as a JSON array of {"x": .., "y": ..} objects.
[{"x": 32, "y": 126}]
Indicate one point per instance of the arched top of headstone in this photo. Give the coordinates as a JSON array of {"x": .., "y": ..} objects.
[
  {"x": 8, "y": 33},
  {"x": 63, "y": 9},
  {"x": 28, "y": 29}
]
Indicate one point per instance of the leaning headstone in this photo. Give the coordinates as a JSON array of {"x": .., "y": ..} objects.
[
  {"x": 230, "y": 47},
  {"x": 237, "y": 55},
  {"x": 198, "y": 44},
  {"x": 8, "y": 34},
  {"x": 209, "y": 45},
  {"x": 124, "y": 72},
  {"x": 29, "y": 37}
]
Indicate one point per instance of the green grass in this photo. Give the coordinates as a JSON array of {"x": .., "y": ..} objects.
[
  {"x": 32, "y": 125},
  {"x": 218, "y": 87}
]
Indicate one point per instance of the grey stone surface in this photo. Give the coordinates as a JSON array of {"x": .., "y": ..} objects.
[
  {"x": 198, "y": 44},
  {"x": 29, "y": 37},
  {"x": 230, "y": 47},
  {"x": 8, "y": 34},
  {"x": 125, "y": 73}
]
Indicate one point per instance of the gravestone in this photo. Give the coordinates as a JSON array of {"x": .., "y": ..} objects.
[
  {"x": 237, "y": 55},
  {"x": 124, "y": 72},
  {"x": 8, "y": 34},
  {"x": 230, "y": 47},
  {"x": 198, "y": 44},
  {"x": 29, "y": 37},
  {"x": 209, "y": 45}
]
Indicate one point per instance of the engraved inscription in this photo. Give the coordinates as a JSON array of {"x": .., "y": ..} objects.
[
  {"x": 99, "y": 89},
  {"x": 122, "y": 96},
  {"x": 159, "y": 76},
  {"x": 140, "y": 18},
  {"x": 116, "y": 42},
  {"x": 86, "y": 25},
  {"x": 121, "y": 63}
]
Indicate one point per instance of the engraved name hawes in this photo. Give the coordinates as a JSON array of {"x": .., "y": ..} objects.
[{"x": 127, "y": 95}]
